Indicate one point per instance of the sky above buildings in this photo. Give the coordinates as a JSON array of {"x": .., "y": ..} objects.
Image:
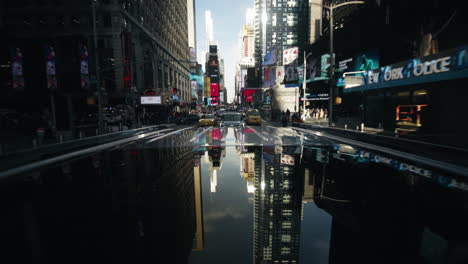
[{"x": 228, "y": 18}]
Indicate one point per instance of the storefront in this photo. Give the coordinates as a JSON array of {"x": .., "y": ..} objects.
[{"x": 429, "y": 92}]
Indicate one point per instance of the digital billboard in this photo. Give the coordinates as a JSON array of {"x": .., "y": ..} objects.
[
  {"x": 150, "y": 100},
  {"x": 214, "y": 89},
  {"x": 84, "y": 71},
  {"x": 17, "y": 68},
  {"x": 49, "y": 53},
  {"x": 363, "y": 61}
]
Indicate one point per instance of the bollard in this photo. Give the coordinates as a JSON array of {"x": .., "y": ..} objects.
[
  {"x": 362, "y": 127},
  {"x": 346, "y": 126},
  {"x": 80, "y": 134},
  {"x": 120, "y": 127},
  {"x": 357, "y": 127},
  {"x": 60, "y": 138}
]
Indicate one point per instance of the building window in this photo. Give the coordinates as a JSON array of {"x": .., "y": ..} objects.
[
  {"x": 75, "y": 21},
  {"x": 287, "y": 212},
  {"x": 107, "y": 20},
  {"x": 286, "y": 238},
  {"x": 42, "y": 21},
  {"x": 60, "y": 21}
]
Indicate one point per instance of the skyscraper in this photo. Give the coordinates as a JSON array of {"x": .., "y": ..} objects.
[
  {"x": 280, "y": 24},
  {"x": 192, "y": 39},
  {"x": 247, "y": 54},
  {"x": 140, "y": 45},
  {"x": 315, "y": 20},
  {"x": 208, "y": 27}
]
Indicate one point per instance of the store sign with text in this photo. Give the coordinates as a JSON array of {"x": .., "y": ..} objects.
[{"x": 433, "y": 64}]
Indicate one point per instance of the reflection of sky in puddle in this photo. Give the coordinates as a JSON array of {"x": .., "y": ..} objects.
[
  {"x": 227, "y": 214},
  {"x": 228, "y": 211}
]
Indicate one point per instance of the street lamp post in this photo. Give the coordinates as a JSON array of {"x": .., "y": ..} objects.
[
  {"x": 98, "y": 74},
  {"x": 304, "y": 85},
  {"x": 331, "y": 96}
]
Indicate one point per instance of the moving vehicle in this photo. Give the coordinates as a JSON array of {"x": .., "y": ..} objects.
[
  {"x": 232, "y": 119},
  {"x": 253, "y": 117},
  {"x": 207, "y": 120}
]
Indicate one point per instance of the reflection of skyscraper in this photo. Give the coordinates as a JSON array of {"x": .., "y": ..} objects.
[
  {"x": 198, "y": 240},
  {"x": 308, "y": 195},
  {"x": 277, "y": 209},
  {"x": 215, "y": 154},
  {"x": 247, "y": 170}
]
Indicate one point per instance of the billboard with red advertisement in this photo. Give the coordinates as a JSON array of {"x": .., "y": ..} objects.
[
  {"x": 214, "y": 89},
  {"x": 248, "y": 95},
  {"x": 216, "y": 134}
]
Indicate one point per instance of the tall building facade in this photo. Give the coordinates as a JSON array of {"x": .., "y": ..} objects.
[
  {"x": 277, "y": 207},
  {"x": 141, "y": 45},
  {"x": 315, "y": 20},
  {"x": 209, "y": 27},
  {"x": 192, "y": 39},
  {"x": 247, "y": 55},
  {"x": 280, "y": 24}
]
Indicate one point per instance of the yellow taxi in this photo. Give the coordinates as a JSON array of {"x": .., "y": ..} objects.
[
  {"x": 253, "y": 118},
  {"x": 207, "y": 120}
]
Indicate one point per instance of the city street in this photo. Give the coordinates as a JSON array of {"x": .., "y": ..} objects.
[
  {"x": 233, "y": 132},
  {"x": 213, "y": 192}
]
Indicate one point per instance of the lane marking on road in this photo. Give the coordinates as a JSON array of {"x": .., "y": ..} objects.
[
  {"x": 168, "y": 134},
  {"x": 258, "y": 134},
  {"x": 199, "y": 134},
  {"x": 47, "y": 162}
]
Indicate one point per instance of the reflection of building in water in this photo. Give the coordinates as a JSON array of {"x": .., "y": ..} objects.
[
  {"x": 172, "y": 191},
  {"x": 308, "y": 195},
  {"x": 277, "y": 209},
  {"x": 198, "y": 240},
  {"x": 247, "y": 170},
  {"x": 216, "y": 153}
]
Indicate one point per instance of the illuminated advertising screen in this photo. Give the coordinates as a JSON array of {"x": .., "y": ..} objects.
[
  {"x": 364, "y": 61},
  {"x": 194, "y": 86},
  {"x": 216, "y": 134},
  {"x": 214, "y": 100},
  {"x": 84, "y": 71},
  {"x": 49, "y": 53},
  {"x": 150, "y": 100},
  {"x": 248, "y": 95},
  {"x": 17, "y": 68},
  {"x": 214, "y": 89}
]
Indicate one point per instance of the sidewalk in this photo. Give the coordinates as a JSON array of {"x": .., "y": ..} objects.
[{"x": 346, "y": 124}]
